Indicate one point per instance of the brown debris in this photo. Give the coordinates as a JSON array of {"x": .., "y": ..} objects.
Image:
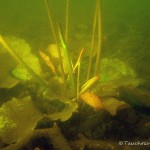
[
  {"x": 92, "y": 144},
  {"x": 53, "y": 135}
]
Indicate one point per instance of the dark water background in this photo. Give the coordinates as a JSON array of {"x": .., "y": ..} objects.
[{"x": 125, "y": 27}]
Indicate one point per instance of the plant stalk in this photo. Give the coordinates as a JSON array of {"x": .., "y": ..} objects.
[
  {"x": 67, "y": 57},
  {"x": 99, "y": 37},
  {"x": 92, "y": 44},
  {"x": 55, "y": 38},
  {"x": 78, "y": 81},
  {"x": 67, "y": 20}
]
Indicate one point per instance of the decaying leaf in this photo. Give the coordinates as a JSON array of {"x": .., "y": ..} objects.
[
  {"x": 52, "y": 50},
  {"x": 66, "y": 113},
  {"x": 48, "y": 62},
  {"x": 92, "y": 99},
  {"x": 89, "y": 84},
  {"x": 112, "y": 105},
  {"x": 79, "y": 58}
]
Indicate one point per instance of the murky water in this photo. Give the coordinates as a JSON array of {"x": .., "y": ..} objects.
[
  {"x": 124, "y": 57},
  {"x": 125, "y": 26}
]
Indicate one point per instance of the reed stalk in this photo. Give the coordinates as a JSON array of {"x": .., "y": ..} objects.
[
  {"x": 55, "y": 38},
  {"x": 92, "y": 44},
  {"x": 99, "y": 37},
  {"x": 67, "y": 20},
  {"x": 78, "y": 81}
]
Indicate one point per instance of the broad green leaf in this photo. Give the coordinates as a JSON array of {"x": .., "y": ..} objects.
[
  {"x": 18, "y": 118},
  {"x": 22, "y": 73},
  {"x": 6, "y": 65}
]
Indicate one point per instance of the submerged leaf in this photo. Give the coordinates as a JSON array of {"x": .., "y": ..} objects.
[
  {"x": 20, "y": 46},
  {"x": 6, "y": 79},
  {"x": 17, "y": 119},
  {"x": 89, "y": 84},
  {"x": 66, "y": 112},
  {"x": 22, "y": 73},
  {"x": 79, "y": 58},
  {"x": 53, "y": 51},
  {"x": 48, "y": 62},
  {"x": 67, "y": 58},
  {"x": 53, "y": 54},
  {"x": 114, "y": 74},
  {"x": 115, "y": 69},
  {"x": 112, "y": 104},
  {"x": 28, "y": 61},
  {"x": 55, "y": 88},
  {"x": 92, "y": 99}
]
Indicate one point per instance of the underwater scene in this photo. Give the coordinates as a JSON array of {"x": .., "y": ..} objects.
[{"x": 74, "y": 75}]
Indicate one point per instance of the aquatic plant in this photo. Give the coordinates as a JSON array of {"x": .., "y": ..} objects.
[
  {"x": 6, "y": 79},
  {"x": 70, "y": 81},
  {"x": 66, "y": 88},
  {"x": 15, "y": 119},
  {"x": 113, "y": 69},
  {"x": 59, "y": 85},
  {"x": 55, "y": 37},
  {"x": 19, "y": 59},
  {"x": 23, "y": 50},
  {"x": 25, "y": 71}
]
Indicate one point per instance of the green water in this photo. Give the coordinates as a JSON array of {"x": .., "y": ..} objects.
[
  {"x": 32, "y": 83},
  {"x": 125, "y": 27}
]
